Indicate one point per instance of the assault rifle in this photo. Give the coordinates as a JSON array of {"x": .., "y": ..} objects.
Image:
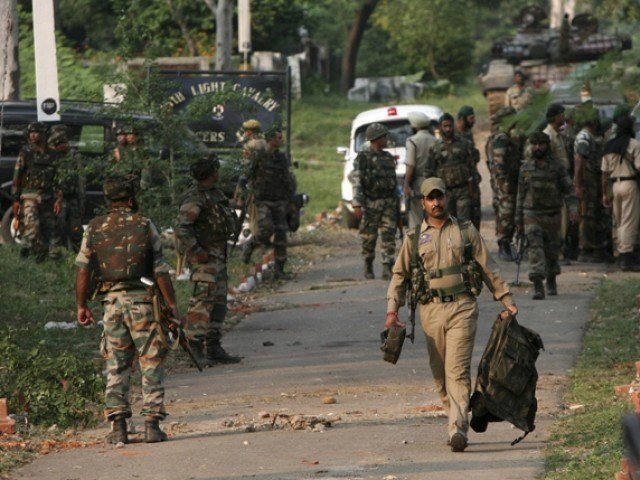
[
  {"x": 169, "y": 328},
  {"x": 521, "y": 245},
  {"x": 412, "y": 312}
]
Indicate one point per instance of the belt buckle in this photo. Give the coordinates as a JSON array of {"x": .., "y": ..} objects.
[{"x": 447, "y": 298}]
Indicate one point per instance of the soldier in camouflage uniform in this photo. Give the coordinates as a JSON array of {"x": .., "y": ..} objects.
[
  {"x": 204, "y": 225},
  {"x": 118, "y": 249},
  {"x": 464, "y": 129},
  {"x": 36, "y": 198},
  {"x": 503, "y": 154},
  {"x": 587, "y": 174},
  {"x": 70, "y": 181},
  {"x": 518, "y": 96},
  {"x": 451, "y": 159},
  {"x": 130, "y": 157},
  {"x": 270, "y": 181},
  {"x": 375, "y": 199},
  {"x": 568, "y": 134},
  {"x": 543, "y": 187}
]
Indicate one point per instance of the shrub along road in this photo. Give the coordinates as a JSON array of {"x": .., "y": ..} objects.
[{"x": 317, "y": 337}]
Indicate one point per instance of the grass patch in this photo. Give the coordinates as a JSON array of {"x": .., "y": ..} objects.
[{"x": 588, "y": 445}]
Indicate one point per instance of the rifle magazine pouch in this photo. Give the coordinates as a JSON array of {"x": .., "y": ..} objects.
[{"x": 392, "y": 341}]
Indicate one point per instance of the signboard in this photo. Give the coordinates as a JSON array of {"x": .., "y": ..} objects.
[
  {"x": 229, "y": 98},
  {"x": 44, "y": 39}
]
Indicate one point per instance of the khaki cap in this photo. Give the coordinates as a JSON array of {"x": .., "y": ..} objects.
[
  {"x": 431, "y": 184},
  {"x": 251, "y": 124},
  {"x": 418, "y": 119}
]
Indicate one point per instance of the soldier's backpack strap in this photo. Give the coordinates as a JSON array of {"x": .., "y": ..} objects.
[
  {"x": 466, "y": 241},
  {"x": 415, "y": 257}
]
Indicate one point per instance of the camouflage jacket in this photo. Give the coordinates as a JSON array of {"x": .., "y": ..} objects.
[
  {"x": 452, "y": 162},
  {"x": 69, "y": 173},
  {"x": 543, "y": 186},
  {"x": 468, "y": 136},
  {"x": 34, "y": 172},
  {"x": 269, "y": 176},
  {"x": 132, "y": 161},
  {"x": 586, "y": 145},
  {"x": 119, "y": 248},
  {"x": 504, "y": 156},
  {"x": 374, "y": 177},
  {"x": 205, "y": 221}
]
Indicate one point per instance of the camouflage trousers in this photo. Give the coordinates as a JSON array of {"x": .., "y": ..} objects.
[
  {"x": 460, "y": 203},
  {"x": 505, "y": 224},
  {"x": 272, "y": 222},
  {"x": 476, "y": 203},
  {"x": 130, "y": 330},
  {"x": 39, "y": 226},
  {"x": 595, "y": 220},
  {"x": 70, "y": 222},
  {"x": 544, "y": 243},
  {"x": 208, "y": 302},
  {"x": 495, "y": 200},
  {"x": 379, "y": 215}
]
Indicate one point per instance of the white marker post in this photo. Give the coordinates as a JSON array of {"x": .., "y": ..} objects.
[
  {"x": 44, "y": 38},
  {"x": 244, "y": 30}
]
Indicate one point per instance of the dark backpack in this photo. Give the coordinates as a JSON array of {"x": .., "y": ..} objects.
[{"x": 507, "y": 376}]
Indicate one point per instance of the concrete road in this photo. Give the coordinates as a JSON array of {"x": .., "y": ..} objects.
[{"x": 318, "y": 336}]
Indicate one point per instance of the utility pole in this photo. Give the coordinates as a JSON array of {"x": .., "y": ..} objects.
[{"x": 44, "y": 39}]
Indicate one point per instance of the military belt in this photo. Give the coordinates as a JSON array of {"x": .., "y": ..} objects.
[
  {"x": 442, "y": 272},
  {"x": 452, "y": 298},
  {"x": 621, "y": 179}
]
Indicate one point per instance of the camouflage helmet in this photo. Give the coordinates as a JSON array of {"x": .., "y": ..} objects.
[
  {"x": 36, "y": 127},
  {"x": 119, "y": 187},
  {"x": 501, "y": 114},
  {"x": 205, "y": 166},
  {"x": 375, "y": 131},
  {"x": 252, "y": 125}
]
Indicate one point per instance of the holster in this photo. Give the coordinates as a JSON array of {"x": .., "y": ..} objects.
[{"x": 392, "y": 341}]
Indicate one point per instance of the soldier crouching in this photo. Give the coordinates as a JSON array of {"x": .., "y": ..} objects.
[
  {"x": 119, "y": 248},
  {"x": 204, "y": 225}
]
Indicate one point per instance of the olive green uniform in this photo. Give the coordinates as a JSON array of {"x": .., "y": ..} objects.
[
  {"x": 476, "y": 205},
  {"x": 450, "y": 321},
  {"x": 418, "y": 148}
]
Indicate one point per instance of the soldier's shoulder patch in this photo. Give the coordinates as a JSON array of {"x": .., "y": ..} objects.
[{"x": 425, "y": 237}]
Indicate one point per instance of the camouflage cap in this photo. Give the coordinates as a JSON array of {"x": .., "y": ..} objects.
[
  {"x": 375, "y": 131},
  {"x": 119, "y": 187},
  {"x": 465, "y": 111},
  {"x": 418, "y": 119},
  {"x": 205, "y": 166},
  {"x": 431, "y": 184},
  {"x": 538, "y": 138},
  {"x": 36, "y": 127},
  {"x": 502, "y": 113},
  {"x": 251, "y": 124}
]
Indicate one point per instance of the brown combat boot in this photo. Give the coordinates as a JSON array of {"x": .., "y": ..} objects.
[
  {"x": 552, "y": 287},
  {"x": 368, "y": 269},
  {"x": 118, "y": 433},
  {"x": 538, "y": 289},
  {"x": 152, "y": 432},
  {"x": 458, "y": 442}
]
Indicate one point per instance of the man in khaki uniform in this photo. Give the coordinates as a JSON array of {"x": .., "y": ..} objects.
[
  {"x": 518, "y": 96},
  {"x": 418, "y": 147},
  {"x": 620, "y": 164},
  {"x": 453, "y": 263}
]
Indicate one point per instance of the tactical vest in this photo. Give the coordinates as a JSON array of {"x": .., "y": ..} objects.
[
  {"x": 423, "y": 289},
  {"x": 510, "y": 165},
  {"x": 39, "y": 171},
  {"x": 507, "y": 377},
  {"x": 122, "y": 246},
  {"x": 378, "y": 174},
  {"x": 216, "y": 222},
  {"x": 271, "y": 178},
  {"x": 453, "y": 164},
  {"x": 542, "y": 194}
]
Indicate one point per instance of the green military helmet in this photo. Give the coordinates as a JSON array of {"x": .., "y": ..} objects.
[
  {"x": 375, "y": 131},
  {"x": 205, "y": 166},
  {"x": 36, "y": 127},
  {"x": 119, "y": 187}
]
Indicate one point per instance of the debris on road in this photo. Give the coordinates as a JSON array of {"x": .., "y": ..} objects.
[
  {"x": 280, "y": 421},
  {"x": 329, "y": 400}
]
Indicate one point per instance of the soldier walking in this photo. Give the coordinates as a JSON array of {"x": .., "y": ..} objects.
[
  {"x": 620, "y": 165},
  {"x": 505, "y": 155},
  {"x": 418, "y": 148},
  {"x": 204, "y": 225},
  {"x": 270, "y": 182},
  {"x": 543, "y": 187},
  {"x": 375, "y": 199},
  {"x": 118, "y": 249},
  {"x": 451, "y": 159},
  {"x": 453, "y": 264},
  {"x": 36, "y": 199},
  {"x": 464, "y": 128}
]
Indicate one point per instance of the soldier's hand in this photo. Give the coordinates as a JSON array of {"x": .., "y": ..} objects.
[
  {"x": 511, "y": 310},
  {"x": 57, "y": 207},
  {"x": 606, "y": 201},
  {"x": 85, "y": 317},
  {"x": 407, "y": 191},
  {"x": 393, "y": 320},
  {"x": 16, "y": 209},
  {"x": 574, "y": 217},
  {"x": 357, "y": 212}
]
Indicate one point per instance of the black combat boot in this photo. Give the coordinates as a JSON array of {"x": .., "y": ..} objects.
[
  {"x": 552, "y": 287},
  {"x": 152, "y": 432},
  {"x": 504, "y": 251},
  {"x": 119, "y": 430},
  {"x": 368, "y": 269},
  {"x": 627, "y": 263},
  {"x": 278, "y": 270},
  {"x": 217, "y": 354},
  {"x": 247, "y": 250},
  {"x": 198, "y": 351},
  {"x": 386, "y": 271},
  {"x": 538, "y": 289}
]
